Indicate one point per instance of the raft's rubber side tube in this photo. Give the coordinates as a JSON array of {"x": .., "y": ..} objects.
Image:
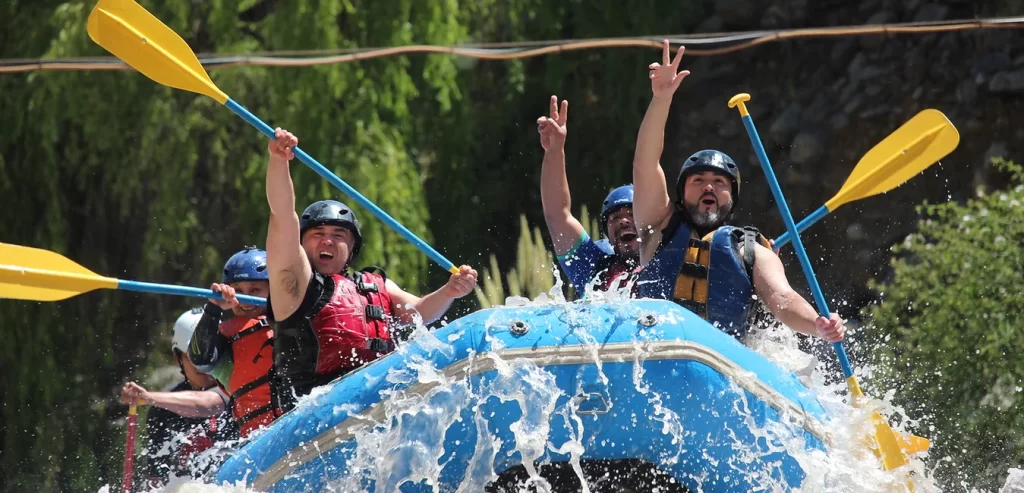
[{"x": 671, "y": 390}]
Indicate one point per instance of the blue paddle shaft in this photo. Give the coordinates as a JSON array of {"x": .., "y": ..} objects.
[
  {"x": 345, "y": 187},
  {"x": 148, "y": 287},
  {"x": 798, "y": 245},
  {"x": 808, "y": 221}
]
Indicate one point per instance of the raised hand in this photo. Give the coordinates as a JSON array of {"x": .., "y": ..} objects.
[
  {"x": 665, "y": 78},
  {"x": 552, "y": 129},
  {"x": 281, "y": 146}
]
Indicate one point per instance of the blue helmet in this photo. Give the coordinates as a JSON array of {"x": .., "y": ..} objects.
[
  {"x": 618, "y": 198},
  {"x": 334, "y": 213},
  {"x": 249, "y": 264}
]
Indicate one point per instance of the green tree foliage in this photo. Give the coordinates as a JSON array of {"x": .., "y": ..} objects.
[
  {"x": 531, "y": 276},
  {"x": 140, "y": 181},
  {"x": 949, "y": 332}
]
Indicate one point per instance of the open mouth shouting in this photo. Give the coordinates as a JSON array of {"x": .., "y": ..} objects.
[
  {"x": 709, "y": 200},
  {"x": 626, "y": 235}
]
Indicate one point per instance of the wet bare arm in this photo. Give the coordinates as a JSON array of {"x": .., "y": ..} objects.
[
  {"x": 287, "y": 265},
  {"x": 771, "y": 284},
  {"x": 188, "y": 403},
  {"x": 565, "y": 229},
  {"x": 651, "y": 206},
  {"x": 555, "y": 197},
  {"x": 406, "y": 305},
  {"x": 650, "y": 200}
]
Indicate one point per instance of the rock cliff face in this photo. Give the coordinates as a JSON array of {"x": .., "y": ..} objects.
[{"x": 822, "y": 103}]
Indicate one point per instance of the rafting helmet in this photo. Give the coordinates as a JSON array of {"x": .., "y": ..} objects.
[
  {"x": 183, "y": 329},
  {"x": 250, "y": 264},
  {"x": 617, "y": 199},
  {"x": 710, "y": 160},
  {"x": 334, "y": 213}
]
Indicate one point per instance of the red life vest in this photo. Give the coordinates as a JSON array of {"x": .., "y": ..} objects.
[
  {"x": 352, "y": 327},
  {"x": 346, "y": 326},
  {"x": 252, "y": 357}
]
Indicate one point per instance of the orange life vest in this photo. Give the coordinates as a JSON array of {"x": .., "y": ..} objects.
[{"x": 252, "y": 357}]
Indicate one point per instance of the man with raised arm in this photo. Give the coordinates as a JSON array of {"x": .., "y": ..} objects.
[
  {"x": 687, "y": 252},
  {"x": 580, "y": 256},
  {"x": 330, "y": 320}
]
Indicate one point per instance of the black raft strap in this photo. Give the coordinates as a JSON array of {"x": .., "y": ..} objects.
[
  {"x": 694, "y": 270},
  {"x": 255, "y": 413},
  {"x": 249, "y": 387},
  {"x": 693, "y": 306},
  {"x": 255, "y": 328},
  {"x": 374, "y": 312}
]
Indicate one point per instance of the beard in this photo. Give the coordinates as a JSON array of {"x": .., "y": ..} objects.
[{"x": 709, "y": 219}]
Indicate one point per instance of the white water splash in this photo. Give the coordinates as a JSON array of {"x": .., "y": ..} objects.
[{"x": 414, "y": 425}]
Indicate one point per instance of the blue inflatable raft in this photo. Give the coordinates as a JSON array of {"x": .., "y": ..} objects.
[{"x": 511, "y": 387}]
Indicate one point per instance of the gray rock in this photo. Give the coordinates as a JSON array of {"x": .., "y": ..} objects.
[
  {"x": 842, "y": 51},
  {"x": 786, "y": 125},
  {"x": 1007, "y": 82},
  {"x": 1018, "y": 61},
  {"x": 870, "y": 72},
  {"x": 997, "y": 149},
  {"x": 838, "y": 121},
  {"x": 967, "y": 91},
  {"x": 874, "y": 41},
  {"x": 741, "y": 13},
  {"x": 873, "y": 90},
  {"x": 915, "y": 69},
  {"x": 854, "y": 103},
  {"x": 730, "y": 127},
  {"x": 849, "y": 91},
  {"x": 715, "y": 112},
  {"x": 910, "y": 5},
  {"x": 918, "y": 92},
  {"x": 713, "y": 24},
  {"x": 855, "y": 65},
  {"x": 974, "y": 125},
  {"x": 872, "y": 112},
  {"x": 990, "y": 63},
  {"x": 807, "y": 148},
  {"x": 775, "y": 17},
  {"x": 931, "y": 12}
]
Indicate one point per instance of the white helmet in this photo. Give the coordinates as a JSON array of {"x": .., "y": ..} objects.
[{"x": 184, "y": 328}]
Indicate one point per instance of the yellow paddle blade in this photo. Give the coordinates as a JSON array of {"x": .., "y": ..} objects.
[
  {"x": 138, "y": 38},
  {"x": 922, "y": 141},
  {"x": 41, "y": 275},
  {"x": 888, "y": 444}
]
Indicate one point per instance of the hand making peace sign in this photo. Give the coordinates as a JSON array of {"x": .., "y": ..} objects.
[
  {"x": 664, "y": 78},
  {"x": 552, "y": 129}
]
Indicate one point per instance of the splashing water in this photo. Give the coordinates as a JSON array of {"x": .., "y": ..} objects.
[{"x": 412, "y": 443}]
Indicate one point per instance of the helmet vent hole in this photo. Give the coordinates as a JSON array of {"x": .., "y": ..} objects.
[{"x": 693, "y": 158}]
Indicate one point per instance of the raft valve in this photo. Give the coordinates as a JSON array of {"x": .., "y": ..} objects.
[{"x": 519, "y": 327}]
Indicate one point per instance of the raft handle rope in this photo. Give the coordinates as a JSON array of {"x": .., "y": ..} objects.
[{"x": 526, "y": 49}]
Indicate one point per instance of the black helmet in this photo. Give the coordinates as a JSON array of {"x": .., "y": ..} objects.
[
  {"x": 710, "y": 160},
  {"x": 334, "y": 213}
]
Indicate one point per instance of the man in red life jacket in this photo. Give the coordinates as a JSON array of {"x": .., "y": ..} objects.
[
  {"x": 329, "y": 320},
  {"x": 582, "y": 259},
  {"x": 239, "y": 351}
]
